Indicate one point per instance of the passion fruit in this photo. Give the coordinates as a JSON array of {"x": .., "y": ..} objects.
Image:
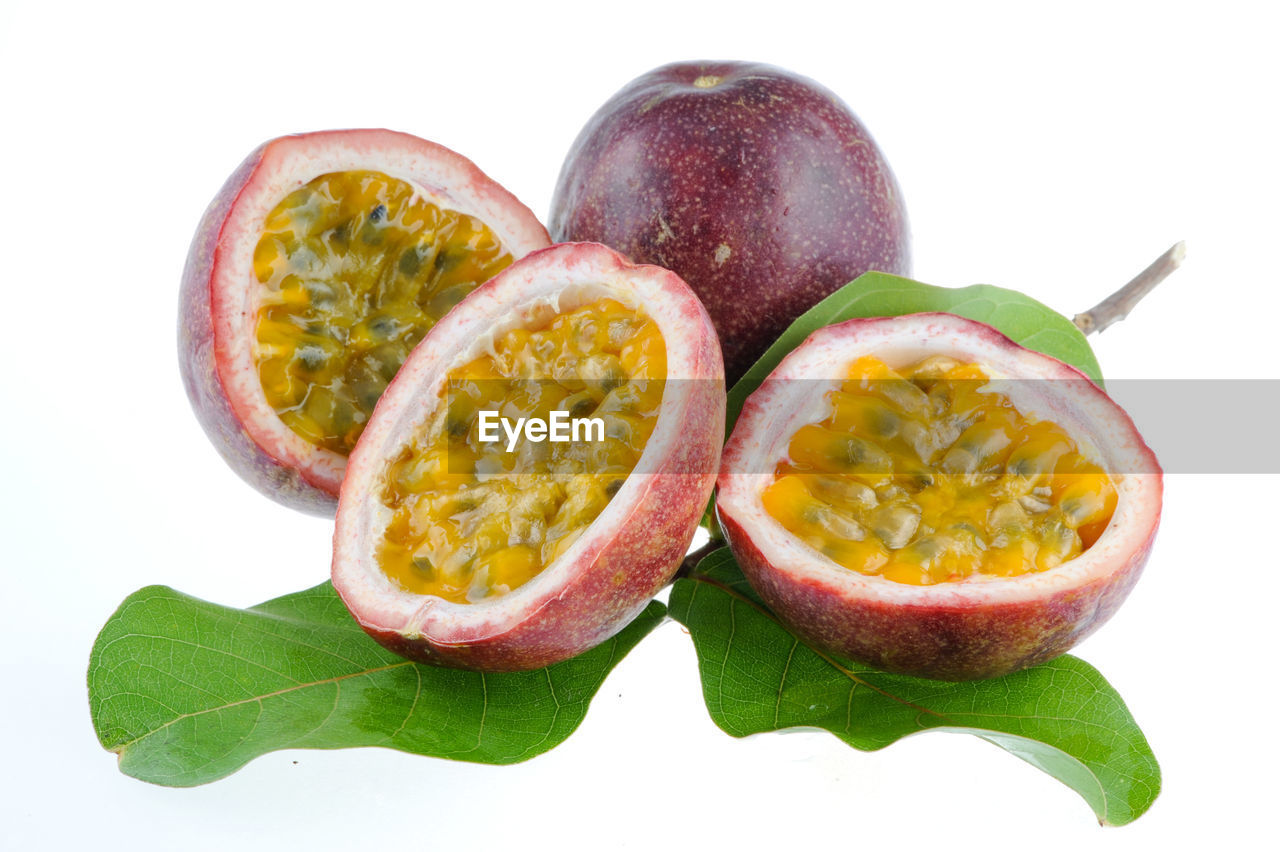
[
  {"x": 923, "y": 495},
  {"x": 457, "y": 549},
  {"x": 759, "y": 187},
  {"x": 321, "y": 262}
]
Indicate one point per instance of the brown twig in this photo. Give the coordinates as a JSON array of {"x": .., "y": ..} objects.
[{"x": 1117, "y": 306}]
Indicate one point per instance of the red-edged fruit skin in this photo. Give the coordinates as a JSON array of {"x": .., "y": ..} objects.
[
  {"x": 958, "y": 641},
  {"x": 199, "y": 351},
  {"x": 612, "y": 580},
  {"x": 197, "y": 361},
  {"x": 945, "y": 643},
  {"x": 764, "y": 192}
]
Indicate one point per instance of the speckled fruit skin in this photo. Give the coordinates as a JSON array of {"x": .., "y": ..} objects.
[
  {"x": 763, "y": 191},
  {"x": 631, "y": 550},
  {"x": 216, "y": 304},
  {"x": 949, "y": 631}
]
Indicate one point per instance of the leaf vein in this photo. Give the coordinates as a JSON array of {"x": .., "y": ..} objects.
[{"x": 261, "y": 698}]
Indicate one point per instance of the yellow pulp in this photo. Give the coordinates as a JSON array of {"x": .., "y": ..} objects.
[
  {"x": 920, "y": 476},
  {"x": 353, "y": 269},
  {"x": 469, "y": 518}
]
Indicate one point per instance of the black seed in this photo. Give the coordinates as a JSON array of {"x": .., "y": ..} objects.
[
  {"x": 1024, "y": 466},
  {"x": 883, "y": 422},
  {"x": 855, "y": 451},
  {"x": 344, "y": 416},
  {"x": 383, "y": 327},
  {"x": 612, "y": 380},
  {"x": 446, "y": 260},
  {"x": 942, "y": 398},
  {"x": 378, "y": 213},
  {"x": 368, "y": 391},
  {"x": 1077, "y": 509},
  {"x": 916, "y": 480},
  {"x": 423, "y": 565},
  {"x": 438, "y": 303},
  {"x": 612, "y": 486},
  {"x": 924, "y": 548},
  {"x": 372, "y": 234},
  {"x": 458, "y": 427},
  {"x": 864, "y": 454},
  {"x": 340, "y": 235},
  {"x": 385, "y": 360},
  {"x": 410, "y": 262},
  {"x": 618, "y": 430}
]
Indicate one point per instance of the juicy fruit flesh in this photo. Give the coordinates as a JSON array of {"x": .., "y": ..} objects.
[
  {"x": 353, "y": 269},
  {"x": 469, "y": 519},
  {"x": 923, "y": 475}
]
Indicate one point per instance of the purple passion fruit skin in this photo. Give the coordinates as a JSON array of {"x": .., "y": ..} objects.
[{"x": 757, "y": 186}]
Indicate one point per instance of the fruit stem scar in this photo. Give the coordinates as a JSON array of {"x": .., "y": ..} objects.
[
  {"x": 707, "y": 81},
  {"x": 1118, "y": 305}
]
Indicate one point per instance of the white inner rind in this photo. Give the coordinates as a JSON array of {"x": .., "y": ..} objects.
[
  {"x": 436, "y": 174},
  {"x": 504, "y": 303},
  {"x": 795, "y": 394}
]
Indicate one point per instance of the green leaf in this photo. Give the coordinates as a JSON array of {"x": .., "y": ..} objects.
[
  {"x": 878, "y": 294},
  {"x": 186, "y": 692},
  {"x": 1061, "y": 717}
]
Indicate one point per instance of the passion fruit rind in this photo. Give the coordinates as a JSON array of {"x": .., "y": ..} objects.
[
  {"x": 217, "y": 304},
  {"x": 977, "y": 628},
  {"x": 965, "y": 641},
  {"x": 632, "y": 548}
]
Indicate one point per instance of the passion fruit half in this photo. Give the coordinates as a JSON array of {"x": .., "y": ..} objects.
[
  {"x": 924, "y": 495},
  {"x": 322, "y": 261},
  {"x": 457, "y": 549}
]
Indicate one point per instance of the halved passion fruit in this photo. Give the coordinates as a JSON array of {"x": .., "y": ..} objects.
[
  {"x": 535, "y": 472},
  {"x": 320, "y": 264},
  {"x": 923, "y": 495}
]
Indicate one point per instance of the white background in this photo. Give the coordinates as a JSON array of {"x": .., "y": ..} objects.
[{"x": 1052, "y": 151}]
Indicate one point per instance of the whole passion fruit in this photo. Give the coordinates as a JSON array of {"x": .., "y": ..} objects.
[
  {"x": 322, "y": 261},
  {"x": 468, "y": 534},
  {"x": 757, "y": 186},
  {"x": 923, "y": 495}
]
